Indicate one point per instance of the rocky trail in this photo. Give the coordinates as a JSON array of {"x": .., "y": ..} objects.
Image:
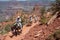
[
  {"x": 35, "y": 32},
  {"x": 21, "y": 36},
  {"x": 41, "y": 32}
]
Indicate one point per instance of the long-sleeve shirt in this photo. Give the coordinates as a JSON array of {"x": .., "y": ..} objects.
[{"x": 18, "y": 21}]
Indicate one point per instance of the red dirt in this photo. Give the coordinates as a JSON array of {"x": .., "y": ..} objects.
[
  {"x": 35, "y": 32},
  {"x": 41, "y": 32},
  {"x": 21, "y": 36}
]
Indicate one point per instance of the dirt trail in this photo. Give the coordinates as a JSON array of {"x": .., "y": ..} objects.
[
  {"x": 35, "y": 32},
  {"x": 41, "y": 32},
  {"x": 21, "y": 36}
]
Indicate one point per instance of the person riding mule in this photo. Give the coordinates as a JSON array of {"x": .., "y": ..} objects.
[
  {"x": 17, "y": 27},
  {"x": 18, "y": 23},
  {"x": 31, "y": 19}
]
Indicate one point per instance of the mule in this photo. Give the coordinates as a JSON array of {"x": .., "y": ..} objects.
[{"x": 16, "y": 30}]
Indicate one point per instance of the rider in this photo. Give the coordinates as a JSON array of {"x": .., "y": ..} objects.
[
  {"x": 31, "y": 18},
  {"x": 18, "y": 22},
  {"x": 35, "y": 18}
]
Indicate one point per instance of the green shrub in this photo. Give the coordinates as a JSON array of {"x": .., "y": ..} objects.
[
  {"x": 24, "y": 20},
  {"x": 54, "y": 36},
  {"x": 5, "y": 29},
  {"x": 57, "y": 34},
  {"x": 7, "y": 21},
  {"x": 43, "y": 20}
]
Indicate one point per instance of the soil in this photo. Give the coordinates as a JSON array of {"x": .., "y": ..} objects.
[{"x": 35, "y": 31}]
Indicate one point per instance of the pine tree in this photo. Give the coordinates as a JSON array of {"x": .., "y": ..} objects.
[{"x": 56, "y": 6}]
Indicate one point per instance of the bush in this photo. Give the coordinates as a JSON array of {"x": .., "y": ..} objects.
[
  {"x": 54, "y": 36},
  {"x": 7, "y": 21},
  {"x": 43, "y": 20},
  {"x": 5, "y": 29},
  {"x": 24, "y": 20},
  {"x": 57, "y": 34},
  {"x": 42, "y": 10}
]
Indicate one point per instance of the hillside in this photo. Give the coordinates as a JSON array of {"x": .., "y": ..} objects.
[
  {"x": 41, "y": 26},
  {"x": 35, "y": 31},
  {"x": 41, "y": 32}
]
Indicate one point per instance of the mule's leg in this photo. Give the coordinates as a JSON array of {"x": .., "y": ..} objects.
[
  {"x": 11, "y": 28},
  {"x": 15, "y": 32}
]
